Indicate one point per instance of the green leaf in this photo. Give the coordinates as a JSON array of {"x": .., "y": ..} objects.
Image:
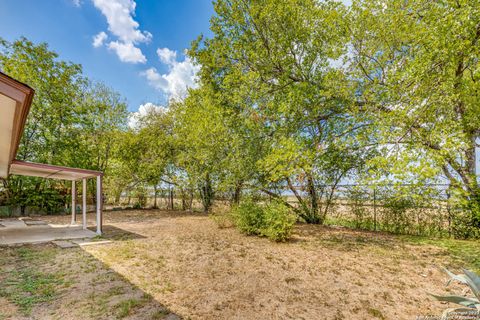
[
  {"x": 473, "y": 281},
  {"x": 458, "y": 277},
  {"x": 464, "y": 301}
]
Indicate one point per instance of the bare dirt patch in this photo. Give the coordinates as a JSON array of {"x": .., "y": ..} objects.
[{"x": 187, "y": 264}]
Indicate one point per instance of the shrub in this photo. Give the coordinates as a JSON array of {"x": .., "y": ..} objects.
[
  {"x": 278, "y": 221},
  {"x": 273, "y": 220},
  {"x": 248, "y": 217},
  {"x": 463, "y": 225},
  {"x": 395, "y": 214},
  {"x": 140, "y": 194}
]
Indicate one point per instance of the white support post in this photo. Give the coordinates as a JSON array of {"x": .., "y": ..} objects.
[
  {"x": 74, "y": 213},
  {"x": 84, "y": 204},
  {"x": 99, "y": 205}
]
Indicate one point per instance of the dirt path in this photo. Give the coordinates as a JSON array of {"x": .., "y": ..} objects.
[{"x": 186, "y": 264}]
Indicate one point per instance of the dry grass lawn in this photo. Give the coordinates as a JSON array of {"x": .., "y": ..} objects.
[{"x": 170, "y": 265}]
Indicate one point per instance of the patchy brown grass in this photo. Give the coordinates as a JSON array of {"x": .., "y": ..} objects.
[
  {"x": 46, "y": 282},
  {"x": 186, "y": 263}
]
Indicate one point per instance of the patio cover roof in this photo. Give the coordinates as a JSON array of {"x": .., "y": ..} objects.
[
  {"x": 15, "y": 100},
  {"x": 32, "y": 169}
]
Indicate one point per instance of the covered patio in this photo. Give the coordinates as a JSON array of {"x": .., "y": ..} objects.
[
  {"x": 15, "y": 102},
  {"x": 21, "y": 231}
]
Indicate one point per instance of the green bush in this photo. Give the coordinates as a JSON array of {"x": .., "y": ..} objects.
[
  {"x": 137, "y": 206},
  {"x": 273, "y": 220},
  {"x": 463, "y": 225},
  {"x": 278, "y": 222},
  {"x": 395, "y": 214},
  {"x": 5, "y": 211},
  {"x": 48, "y": 201},
  {"x": 248, "y": 217}
]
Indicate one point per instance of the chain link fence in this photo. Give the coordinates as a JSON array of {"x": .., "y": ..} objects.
[{"x": 403, "y": 209}]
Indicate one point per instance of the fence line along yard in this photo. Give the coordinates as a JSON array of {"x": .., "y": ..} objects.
[
  {"x": 428, "y": 211},
  {"x": 403, "y": 209}
]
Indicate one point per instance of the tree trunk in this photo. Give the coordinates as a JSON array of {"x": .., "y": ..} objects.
[
  {"x": 306, "y": 210},
  {"x": 171, "y": 199},
  {"x": 155, "y": 197},
  {"x": 184, "y": 199},
  {"x": 312, "y": 192},
  {"x": 190, "y": 206},
  {"x": 279, "y": 198},
  {"x": 237, "y": 193},
  {"x": 117, "y": 198},
  {"x": 206, "y": 193}
]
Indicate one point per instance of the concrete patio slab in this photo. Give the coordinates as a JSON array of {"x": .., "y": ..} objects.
[
  {"x": 88, "y": 242},
  {"x": 13, "y": 223},
  {"x": 35, "y": 222},
  {"x": 64, "y": 244},
  {"x": 17, "y": 232}
]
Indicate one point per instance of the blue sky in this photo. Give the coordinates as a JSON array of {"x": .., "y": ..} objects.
[{"x": 129, "y": 35}]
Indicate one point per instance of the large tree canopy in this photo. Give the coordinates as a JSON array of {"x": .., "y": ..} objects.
[
  {"x": 297, "y": 95},
  {"x": 418, "y": 70},
  {"x": 293, "y": 98},
  {"x": 71, "y": 122},
  {"x": 276, "y": 65}
]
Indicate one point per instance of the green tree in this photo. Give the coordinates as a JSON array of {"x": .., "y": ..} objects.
[
  {"x": 418, "y": 70},
  {"x": 123, "y": 167},
  {"x": 103, "y": 113},
  {"x": 202, "y": 141},
  {"x": 156, "y": 138},
  {"x": 276, "y": 63},
  {"x": 55, "y": 107},
  {"x": 70, "y": 122}
]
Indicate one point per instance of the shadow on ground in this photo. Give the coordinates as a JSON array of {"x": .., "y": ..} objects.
[
  {"x": 46, "y": 282},
  {"x": 111, "y": 232}
]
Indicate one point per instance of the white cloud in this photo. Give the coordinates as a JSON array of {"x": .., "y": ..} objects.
[
  {"x": 144, "y": 110},
  {"x": 166, "y": 55},
  {"x": 121, "y": 24},
  {"x": 76, "y": 3},
  {"x": 180, "y": 77},
  {"x": 99, "y": 39},
  {"x": 119, "y": 14},
  {"x": 127, "y": 52}
]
